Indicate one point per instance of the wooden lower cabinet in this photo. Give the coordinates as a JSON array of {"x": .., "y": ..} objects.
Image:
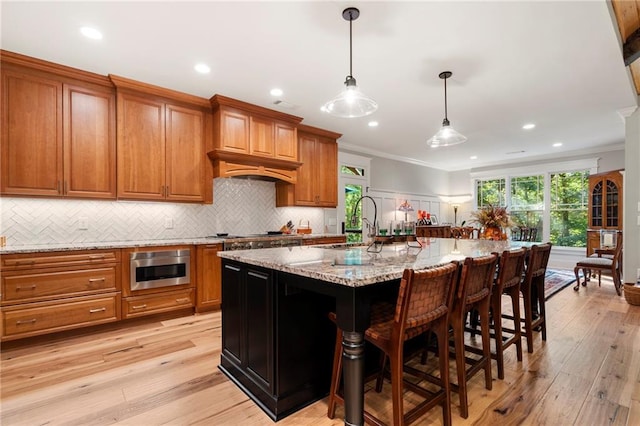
[
  {"x": 209, "y": 287},
  {"x": 32, "y": 319},
  {"x": 137, "y": 306},
  {"x": 56, "y": 291}
]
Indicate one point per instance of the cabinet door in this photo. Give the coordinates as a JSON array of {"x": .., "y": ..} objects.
[
  {"x": 234, "y": 131},
  {"x": 286, "y": 142},
  {"x": 326, "y": 161},
  {"x": 141, "y": 148},
  {"x": 259, "y": 349},
  {"x": 31, "y": 135},
  {"x": 209, "y": 265},
  {"x": 305, "y": 194},
  {"x": 233, "y": 310},
  {"x": 261, "y": 137},
  {"x": 186, "y": 155},
  {"x": 89, "y": 143}
]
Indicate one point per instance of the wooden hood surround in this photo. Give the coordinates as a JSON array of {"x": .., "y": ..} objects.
[{"x": 250, "y": 140}]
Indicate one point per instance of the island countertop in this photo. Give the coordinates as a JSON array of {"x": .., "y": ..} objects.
[{"x": 355, "y": 266}]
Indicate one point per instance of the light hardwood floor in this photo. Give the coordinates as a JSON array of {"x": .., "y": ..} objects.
[{"x": 165, "y": 372}]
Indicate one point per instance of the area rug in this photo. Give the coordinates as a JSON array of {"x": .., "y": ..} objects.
[{"x": 557, "y": 279}]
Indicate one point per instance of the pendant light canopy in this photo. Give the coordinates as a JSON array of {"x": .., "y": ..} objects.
[
  {"x": 446, "y": 136},
  {"x": 351, "y": 102}
]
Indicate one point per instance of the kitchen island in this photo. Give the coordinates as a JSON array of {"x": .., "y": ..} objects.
[{"x": 277, "y": 343}]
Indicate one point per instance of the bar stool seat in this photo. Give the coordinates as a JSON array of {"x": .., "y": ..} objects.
[{"x": 424, "y": 303}]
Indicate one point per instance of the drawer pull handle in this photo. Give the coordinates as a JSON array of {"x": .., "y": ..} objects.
[
  {"x": 96, "y": 257},
  {"x": 139, "y": 307},
  {"x": 31, "y": 287},
  {"x": 25, "y": 262},
  {"x": 31, "y": 321},
  {"x": 183, "y": 300},
  {"x": 93, "y": 311},
  {"x": 93, "y": 280}
]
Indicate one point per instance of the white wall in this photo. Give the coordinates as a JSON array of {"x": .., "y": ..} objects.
[
  {"x": 240, "y": 206},
  {"x": 631, "y": 206}
]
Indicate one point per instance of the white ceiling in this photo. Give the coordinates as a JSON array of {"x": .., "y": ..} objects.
[{"x": 557, "y": 64}]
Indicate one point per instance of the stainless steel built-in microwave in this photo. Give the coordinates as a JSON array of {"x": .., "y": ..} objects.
[{"x": 155, "y": 269}]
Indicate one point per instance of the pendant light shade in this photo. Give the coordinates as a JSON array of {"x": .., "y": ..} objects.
[
  {"x": 447, "y": 135},
  {"x": 351, "y": 102}
]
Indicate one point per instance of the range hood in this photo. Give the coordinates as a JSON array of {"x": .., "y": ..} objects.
[{"x": 235, "y": 164}]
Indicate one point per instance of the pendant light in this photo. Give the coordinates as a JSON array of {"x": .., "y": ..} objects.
[
  {"x": 351, "y": 102},
  {"x": 446, "y": 136}
]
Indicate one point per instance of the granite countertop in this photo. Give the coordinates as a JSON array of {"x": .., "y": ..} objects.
[
  {"x": 354, "y": 266},
  {"x": 41, "y": 248}
]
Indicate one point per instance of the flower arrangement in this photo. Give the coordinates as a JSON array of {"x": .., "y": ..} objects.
[{"x": 492, "y": 217}]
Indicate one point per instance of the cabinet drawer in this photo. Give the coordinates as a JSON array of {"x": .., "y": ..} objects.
[
  {"x": 26, "y": 287},
  {"x": 324, "y": 240},
  {"x": 40, "y": 318},
  {"x": 158, "y": 302},
  {"x": 55, "y": 259}
]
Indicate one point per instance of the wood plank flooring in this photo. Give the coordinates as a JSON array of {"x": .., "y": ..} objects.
[{"x": 163, "y": 371}]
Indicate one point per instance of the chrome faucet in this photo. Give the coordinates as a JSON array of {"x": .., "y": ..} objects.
[{"x": 372, "y": 228}]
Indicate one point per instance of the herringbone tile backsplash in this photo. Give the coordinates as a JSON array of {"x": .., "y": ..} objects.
[{"x": 240, "y": 206}]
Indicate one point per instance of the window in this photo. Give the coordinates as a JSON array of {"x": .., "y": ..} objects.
[
  {"x": 568, "y": 212},
  {"x": 527, "y": 203},
  {"x": 552, "y": 198},
  {"x": 490, "y": 192}
]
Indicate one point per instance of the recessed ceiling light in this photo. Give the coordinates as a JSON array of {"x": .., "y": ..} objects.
[
  {"x": 557, "y": 144},
  {"x": 528, "y": 126},
  {"x": 373, "y": 124},
  {"x": 276, "y": 92},
  {"x": 473, "y": 157},
  {"x": 202, "y": 68},
  {"x": 91, "y": 33}
]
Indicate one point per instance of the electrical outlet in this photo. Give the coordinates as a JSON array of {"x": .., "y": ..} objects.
[
  {"x": 168, "y": 223},
  {"x": 638, "y": 274},
  {"x": 83, "y": 223}
]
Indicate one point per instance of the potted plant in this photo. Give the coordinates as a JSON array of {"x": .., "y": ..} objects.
[{"x": 493, "y": 221}]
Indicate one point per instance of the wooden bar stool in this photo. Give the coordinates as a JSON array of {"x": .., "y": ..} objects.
[
  {"x": 507, "y": 283},
  {"x": 474, "y": 292},
  {"x": 532, "y": 289},
  {"x": 424, "y": 303}
]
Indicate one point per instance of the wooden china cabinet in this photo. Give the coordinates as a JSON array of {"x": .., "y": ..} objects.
[{"x": 605, "y": 206}]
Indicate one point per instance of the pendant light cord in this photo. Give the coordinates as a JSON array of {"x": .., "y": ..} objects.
[
  {"x": 350, "y": 44},
  {"x": 445, "y": 99}
]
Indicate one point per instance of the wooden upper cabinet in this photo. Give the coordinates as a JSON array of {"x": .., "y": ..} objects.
[
  {"x": 317, "y": 184},
  {"x": 185, "y": 151},
  {"x": 261, "y": 136},
  {"x": 58, "y": 130},
  {"x": 286, "y": 144},
  {"x": 161, "y": 144},
  {"x": 243, "y": 128},
  {"x": 141, "y": 148},
  {"x": 31, "y": 135},
  {"x": 234, "y": 131},
  {"x": 89, "y": 142}
]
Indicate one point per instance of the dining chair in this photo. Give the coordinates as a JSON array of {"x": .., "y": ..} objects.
[
  {"x": 424, "y": 303},
  {"x": 474, "y": 293},
  {"x": 532, "y": 289},
  {"x": 603, "y": 260}
]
